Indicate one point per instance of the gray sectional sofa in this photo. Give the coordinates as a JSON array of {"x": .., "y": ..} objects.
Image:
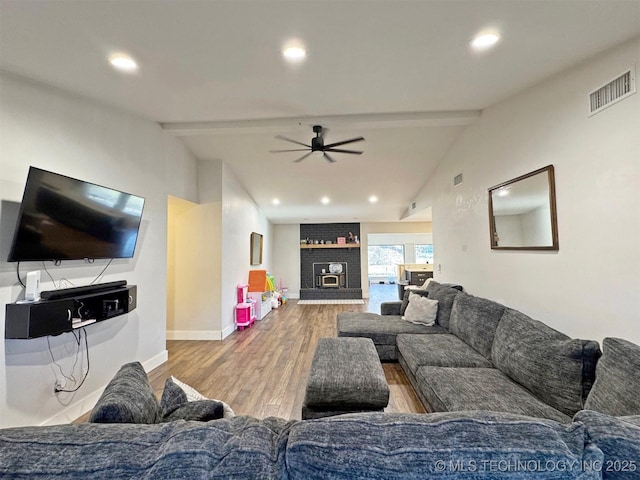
[
  {"x": 457, "y": 445},
  {"x": 483, "y": 356},
  {"x": 180, "y": 437},
  {"x": 478, "y": 445}
]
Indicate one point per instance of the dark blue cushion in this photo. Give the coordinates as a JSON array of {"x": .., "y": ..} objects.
[
  {"x": 239, "y": 447},
  {"x": 485, "y": 445},
  {"x": 619, "y": 440}
]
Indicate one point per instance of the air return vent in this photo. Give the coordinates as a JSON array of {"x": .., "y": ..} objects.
[
  {"x": 612, "y": 92},
  {"x": 457, "y": 180}
]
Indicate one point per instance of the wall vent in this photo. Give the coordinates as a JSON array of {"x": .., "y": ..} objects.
[
  {"x": 457, "y": 180},
  {"x": 614, "y": 91}
]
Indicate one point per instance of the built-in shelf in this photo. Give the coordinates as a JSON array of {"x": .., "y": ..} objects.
[
  {"x": 331, "y": 245},
  {"x": 53, "y": 317}
]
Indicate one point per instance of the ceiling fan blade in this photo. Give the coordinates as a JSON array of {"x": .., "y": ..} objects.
[
  {"x": 328, "y": 157},
  {"x": 294, "y": 150},
  {"x": 292, "y": 141},
  {"x": 339, "y": 150},
  {"x": 344, "y": 142},
  {"x": 302, "y": 157}
]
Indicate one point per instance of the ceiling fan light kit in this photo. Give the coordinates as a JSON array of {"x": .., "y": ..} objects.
[{"x": 317, "y": 145}]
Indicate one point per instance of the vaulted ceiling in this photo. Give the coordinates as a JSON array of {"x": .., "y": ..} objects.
[{"x": 400, "y": 73}]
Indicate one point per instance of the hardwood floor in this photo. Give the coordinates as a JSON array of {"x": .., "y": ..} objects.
[{"x": 262, "y": 371}]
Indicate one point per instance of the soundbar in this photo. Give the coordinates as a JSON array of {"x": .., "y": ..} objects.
[{"x": 84, "y": 290}]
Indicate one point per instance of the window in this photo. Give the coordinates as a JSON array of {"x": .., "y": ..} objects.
[
  {"x": 424, "y": 253},
  {"x": 383, "y": 260}
]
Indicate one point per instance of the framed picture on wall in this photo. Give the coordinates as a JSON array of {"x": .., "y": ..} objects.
[{"x": 256, "y": 248}]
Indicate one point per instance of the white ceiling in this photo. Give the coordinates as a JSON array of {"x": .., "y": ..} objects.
[{"x": 399, "y": 73}]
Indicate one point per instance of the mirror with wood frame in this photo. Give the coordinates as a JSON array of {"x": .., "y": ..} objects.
[
  {"x": 522, "y": 212},
  {"x": 256, "y": 248}
]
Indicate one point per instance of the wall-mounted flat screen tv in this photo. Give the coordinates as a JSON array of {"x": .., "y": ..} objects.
[{"x": 63, "y": 218}]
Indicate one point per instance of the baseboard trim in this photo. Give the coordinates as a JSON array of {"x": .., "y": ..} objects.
[
  {"x": 194, "y": 335},
  {"x": 228, "y": 331},
  {"x": 82, "y": 406},
  {"x": 156, "y": 361},
  {"x": 76, "y": 410}
]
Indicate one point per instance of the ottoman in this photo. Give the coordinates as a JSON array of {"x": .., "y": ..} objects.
[{"x": 346, "y": 377}]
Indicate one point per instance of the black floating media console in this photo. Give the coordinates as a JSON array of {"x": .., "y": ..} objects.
[{"x": 63, "y": 310}]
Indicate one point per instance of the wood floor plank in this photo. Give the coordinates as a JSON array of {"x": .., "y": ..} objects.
[{"x": 262, "y": 371}]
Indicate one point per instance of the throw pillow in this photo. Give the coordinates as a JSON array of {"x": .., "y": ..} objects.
[
  {"x": 191, "y": 393},
  {"x": 421, "y": 310},
  {"x": 127, "y": 398},
  {"x": 198, "y": 410},
  {"x": 181, "y": 401},
  {"x": 172, "y": 397},
  {"x": 405, "y": 298}
]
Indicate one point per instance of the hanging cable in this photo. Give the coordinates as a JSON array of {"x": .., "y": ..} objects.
[
  {"x": 86, "y": 374},
  {"x": 18, "y": 274},
  {"x": 44, "y": 266},
  {"x": 102, "y": 272}
]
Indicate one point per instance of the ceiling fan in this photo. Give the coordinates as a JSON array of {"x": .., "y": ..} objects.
[{"x": 317, "y": 145}]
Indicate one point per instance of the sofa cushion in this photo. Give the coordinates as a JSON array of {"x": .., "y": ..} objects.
[
  {"x": 239, "y": 447},
  {"x": 406, "y": 297},
  {"x": 180, "y": 401},
  {"x": 555, "y": 368},
  {"x": 616, "y": 390},
  {"x": 391, "y": 308},
  {"x": 172, "y": 397},
  {"x": 421, "y": 310},
  {"x": 445, "y": 296},
  {"x": 619, "y": 440},
  {"x": 382, "y": 329},
  {"x": 198, "y": 410},
  {"x": 456, "y": 389},
  {"x": 437, "y": 446},
  {"x": 127, "y": 398},
  {"x": 176, "y": 406},
  {"x": 475, "y": 320},
  {"x": 438, "y": 351}
]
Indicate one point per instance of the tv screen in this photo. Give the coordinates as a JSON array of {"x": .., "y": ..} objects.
[{"x": 62, "y": 218}]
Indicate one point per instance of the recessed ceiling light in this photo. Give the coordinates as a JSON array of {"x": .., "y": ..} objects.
[
  {"x": 325, "y": 200},
  {"x": 294, "y": 54},
  {"x": 123, "y": 62},
  {"x": 373, "y": 199},
  {"x": 276, "y": 201},
  {"x": 485, "y": 40}
]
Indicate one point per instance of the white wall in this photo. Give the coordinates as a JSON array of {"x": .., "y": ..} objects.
[
  {"x": 589, "y": 288},
  {"x": 286, "y": 257},
  {"x": 44, "y": 127},
  {"x": 240, "y": 217},
  {"x": 215, "y": 258},
  {"x": 194, "y": 271}
]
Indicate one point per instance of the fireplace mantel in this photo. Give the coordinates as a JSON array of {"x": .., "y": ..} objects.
[{"x": 330, "y": 245}]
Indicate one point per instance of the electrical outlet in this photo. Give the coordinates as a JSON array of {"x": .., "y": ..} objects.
[{"x": 59, "y": 385}]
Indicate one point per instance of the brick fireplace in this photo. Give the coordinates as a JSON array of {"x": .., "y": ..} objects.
[{"x": 329, "y": 270}]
